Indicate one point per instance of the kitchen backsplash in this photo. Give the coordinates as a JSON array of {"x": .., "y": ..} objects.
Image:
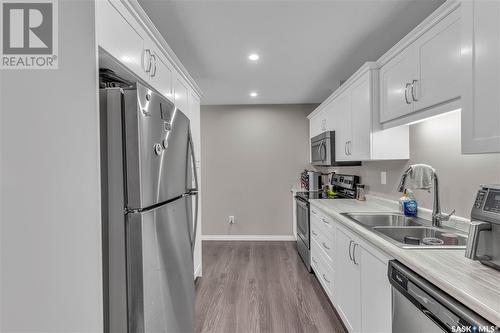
[{"x": 435, "y": 142}]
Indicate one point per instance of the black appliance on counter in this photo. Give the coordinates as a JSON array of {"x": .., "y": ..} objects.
[{"x": 343, "y": 185}]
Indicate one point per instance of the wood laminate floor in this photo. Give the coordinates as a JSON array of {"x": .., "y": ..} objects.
[{"x": 260, "y": 287}]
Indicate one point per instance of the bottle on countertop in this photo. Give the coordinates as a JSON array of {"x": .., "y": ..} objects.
[
  {"x": 410, "y": 206},
  {"x": 360, "y": 192}
]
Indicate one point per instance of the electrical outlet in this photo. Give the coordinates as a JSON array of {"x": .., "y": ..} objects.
[
  {"x": 231, "y": 219},
  {"x": 383, "y": 178}
]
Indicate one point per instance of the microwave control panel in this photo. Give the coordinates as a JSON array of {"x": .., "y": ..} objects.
[{"x": 492, "y": 202}]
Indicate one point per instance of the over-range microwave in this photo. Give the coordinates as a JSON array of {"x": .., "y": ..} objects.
[{"x": 323, "y": 151}]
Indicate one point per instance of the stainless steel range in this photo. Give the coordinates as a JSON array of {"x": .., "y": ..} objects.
[{"x": 345, "y": 187}]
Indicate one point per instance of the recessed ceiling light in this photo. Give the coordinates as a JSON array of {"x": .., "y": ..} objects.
[
  {"x": 253, "y": 57},
  {"x": 254, "y": 94}
]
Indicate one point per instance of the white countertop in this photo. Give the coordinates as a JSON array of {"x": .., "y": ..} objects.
[{"x": 471, "y": 283}]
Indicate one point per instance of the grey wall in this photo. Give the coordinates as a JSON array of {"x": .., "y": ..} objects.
[
  {"x": 50, "y": 192},
  {"x": 252, "y": 156},
  {"x": 436, "y": 142}
]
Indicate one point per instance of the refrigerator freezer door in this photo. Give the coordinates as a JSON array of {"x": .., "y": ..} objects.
[
  {"x": 156, "y": 144},
  {"x": 160, "y": 269}
]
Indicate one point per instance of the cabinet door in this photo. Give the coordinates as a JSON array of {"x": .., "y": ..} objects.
[
  {"x": 315, "y": 124},
  {"x": 162, "y": 74},
  {"x": 375, "y": 289},
  {"x": 481, "y": 80},
  {"x": 342, "y": 112},
  {"x": 395, "y": 77},
  {"x": 181, "y": 95},
  {"x": 347, "y": 282},
  {"x": 440, "y": 64},
  {"x": 119, "y": 37},
  {"x": 361, "y": 103}
]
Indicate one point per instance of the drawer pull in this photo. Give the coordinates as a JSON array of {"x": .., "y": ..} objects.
[
  {"x": 314, "y": 233},
  {"x": 325, "y": 221},
  {"x": 325, "y": 246},
  {"x": 314, "y": 260},
  {"x": 324, "y": 278}
]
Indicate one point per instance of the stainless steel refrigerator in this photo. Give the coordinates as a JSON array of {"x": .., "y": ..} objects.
[{"x": 149, "y": 204}]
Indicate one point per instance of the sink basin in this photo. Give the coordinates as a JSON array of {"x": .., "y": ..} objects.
[
  {"x": 386, "y": 220},
  {"x": 409, "y": 232},
  {"x": 409, "y": 237}
]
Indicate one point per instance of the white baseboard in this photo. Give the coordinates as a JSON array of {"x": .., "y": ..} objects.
[
  {"x": 197, "y": 271},
  {"x": 248, "y": 237}
]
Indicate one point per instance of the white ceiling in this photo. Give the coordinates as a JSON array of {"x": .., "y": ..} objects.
[{"x": 306, "y": 47}]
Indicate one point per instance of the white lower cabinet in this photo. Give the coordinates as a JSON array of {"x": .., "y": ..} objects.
[
  {"x": 347, "y": 281},
  {"x": 354, "y": 276},
  {"x": 376, "y": 302}
]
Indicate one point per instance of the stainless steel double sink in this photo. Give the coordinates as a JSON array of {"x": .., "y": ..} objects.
[{"x": 409, "y": 232}]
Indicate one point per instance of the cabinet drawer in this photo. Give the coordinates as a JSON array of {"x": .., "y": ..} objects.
[
  {"x": 323, "y": 224},
  {"x": 322, "y": 267}
]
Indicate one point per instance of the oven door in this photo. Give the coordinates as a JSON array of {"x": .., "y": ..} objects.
[
  {"x": 303, "y": 221},
  {"x": 320, "y": 152}
]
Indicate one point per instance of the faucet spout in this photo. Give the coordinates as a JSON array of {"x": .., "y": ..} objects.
[{"x": 437, "y": 215}]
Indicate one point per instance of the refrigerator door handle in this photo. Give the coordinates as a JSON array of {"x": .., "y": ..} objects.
[{"x": 194, "y": 191}]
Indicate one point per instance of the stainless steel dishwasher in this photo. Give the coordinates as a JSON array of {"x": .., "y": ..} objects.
[{"x": 419, "y": 306}]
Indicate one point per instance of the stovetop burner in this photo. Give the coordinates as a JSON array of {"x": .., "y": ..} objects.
[{"x": 319, "y": 195}]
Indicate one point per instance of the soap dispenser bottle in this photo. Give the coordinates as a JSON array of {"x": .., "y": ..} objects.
[{"x": 410, "y": 206}]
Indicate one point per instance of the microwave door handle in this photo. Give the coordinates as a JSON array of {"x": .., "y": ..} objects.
[
  {"x": 323, "y": 156},
  {"x": 319, "y": 150},
  {"x": 476, "y": 228}
]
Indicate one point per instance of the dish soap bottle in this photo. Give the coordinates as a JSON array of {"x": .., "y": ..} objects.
[{"x": 410, "y": 206}]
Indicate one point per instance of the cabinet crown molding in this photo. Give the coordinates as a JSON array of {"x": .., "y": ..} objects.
[
  {"x": 367, "y": 66},
  {"x": 140, "y": 15},
  {"x": 439, "y": 14}
]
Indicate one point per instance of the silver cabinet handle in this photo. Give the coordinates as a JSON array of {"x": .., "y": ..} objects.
[
  {"x": 314, "y": 212},
  {"x": 325, "y": 221},
  {"x": 472, "y": 241},
  {"x": 325, "y": 246},
  {"x": 350, "y": 244},
  {"x": 413, "y": 88},
  {"x": 153, "y": 65},
  {"x": 354, "y": 253},
  {"x": 324, "y": 278},
  {"x": 349, "y": 145},
  {"x": 146, "y": 60},
  {"x": 314, "y": 233},
  {"x": 314, "y": 260},
  {"x": 345, "y": 148},
  {"x": 406, "y": 93}
]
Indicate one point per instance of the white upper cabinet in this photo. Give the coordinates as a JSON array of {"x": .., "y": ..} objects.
[
  {"x": 181, "y": 93},
  {"x": 120, "y": 37},
  {"x": 438, "y": 52},
  {"x": 352, "y": 112},
  {"x": 161, "y": 73},
  {"x": 317, "y": 124},
  {"x": 420, "y": 76},
  {"x": 340, "y": 115},
  {"x": 481, "y": 77},
  {"x": 359, "y": 144},
  {"x": 395, "y": 83}
]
